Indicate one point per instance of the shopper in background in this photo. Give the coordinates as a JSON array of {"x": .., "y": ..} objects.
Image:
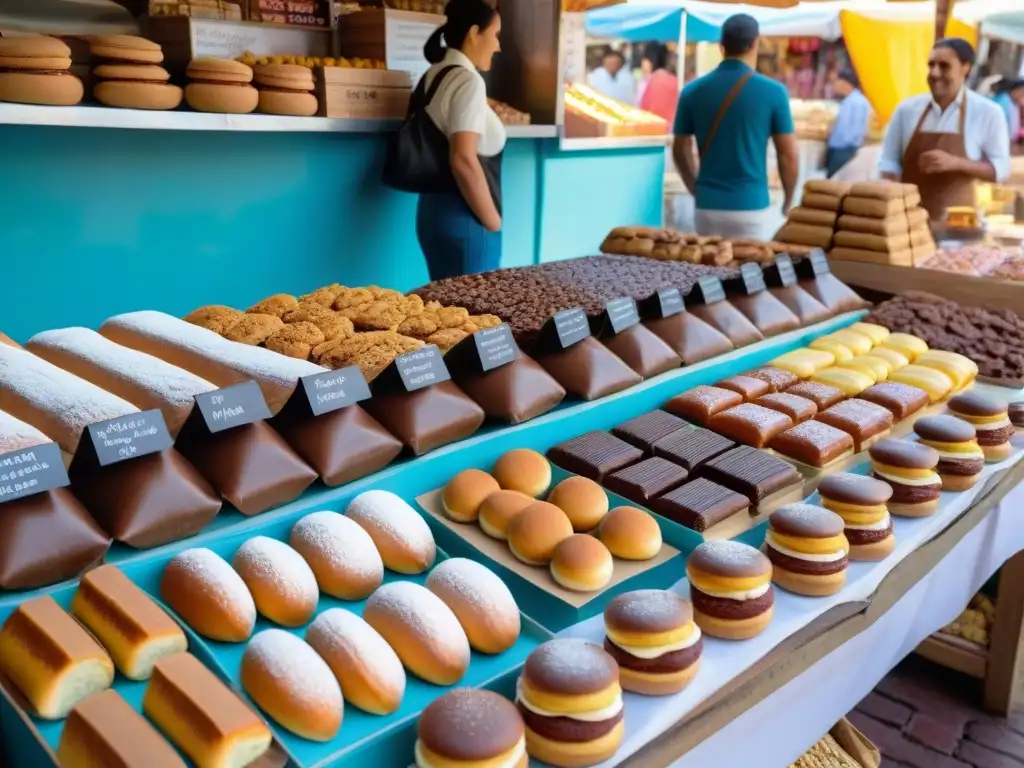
[
  {"x": 851, "y": 125},
  {"x": 646, "y": 70},
  {"x": 613, "y": 78},
  {"x": 1009, "y": 94},
  {"x": 946, "y": 140},
  {"x": 722, "y": 128},
  {"x": 662, "y": 92},
  {"x": 459, "y": 229}
]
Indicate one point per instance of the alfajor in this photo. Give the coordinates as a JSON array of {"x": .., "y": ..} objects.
[
  {"x": 469, "y": 728},
  {"x": 34, "y": 70},
  {"x": 990, "y": 419},
  {"x": 135, "y": 86},
  {"x": 285, "y": 89},
  {"x": 861, "y": 502},
  {"x": 571, "y": 701},
  {"x": 960, "y": 457},
  {"x": 220, "y": 85},
  {"x": 731, "y": 589},
  {"x": 961, "y": 370},
  {"x": 651, "y": 635},
  {"x": 909, "y": 469},
  {"x": 808, "y": 550},
  {"x": 137, "y": 50}
]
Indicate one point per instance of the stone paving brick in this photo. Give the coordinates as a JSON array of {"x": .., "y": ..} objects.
[
  {"x": 885, "y": 709},
  {"x": 979, "y": 757},
  {"x": 934, "y": 734},
  {"x": 999, "y": 738},
  {"x": 892, "y": 743}
]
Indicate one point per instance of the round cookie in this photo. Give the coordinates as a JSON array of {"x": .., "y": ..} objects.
[
  {"x": 534, "y": 533},
  {"x": 631, "y": 534},
  {"x": 130, "y": 48},
  {"x": 523, "y": 470},
  {"x": 465, "y": 493},
  {"x": 136, "y": 86},
  {"x": 480, "y": 600},
  {"x": 861, "y": 502},
  {"x": 471, "y": 727},
  {"x": 584, "y": 502},
  {"x": 961, "y": 459},
  {"x": 909, "y": 469},
  {"x": 807, "y": 549},
  {"x": 731, "y": 590},
  {"x": 990, "y": 419},
  {"x": 582, "y": 563},
  {"x": 497, "y": 512},
  {"x": 341, "y": 554},
  {"x": 281, "y": 582}
]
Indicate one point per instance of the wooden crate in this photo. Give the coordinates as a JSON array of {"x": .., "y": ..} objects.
[
  {"x": 383, "y": 34},
  {"x": 364, "y": 94}
]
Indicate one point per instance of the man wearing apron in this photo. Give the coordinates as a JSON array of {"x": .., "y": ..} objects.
[{"x": 946, "y": 140}]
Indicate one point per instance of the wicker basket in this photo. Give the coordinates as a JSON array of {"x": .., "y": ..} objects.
[{"x": 842, "y": 747}]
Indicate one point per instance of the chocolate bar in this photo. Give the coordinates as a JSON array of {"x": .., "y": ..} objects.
[
  {"x": 750, "y": 472},
  {"x": 700, "y": 504},
  {"x": 692, "y": 446},
  {"x": 594, "y": 455},
  {"x": 644, "y": 431},
  {"x": 644, "y": 481}
]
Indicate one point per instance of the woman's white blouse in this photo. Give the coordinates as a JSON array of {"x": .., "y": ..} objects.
[{"x": 460, "y": 104}]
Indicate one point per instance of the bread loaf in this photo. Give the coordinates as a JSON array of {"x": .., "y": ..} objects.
[
  {"x": 873, "y": 207},
  {"x": 209, "y": 356},
  {"x": 889, "y": 244},
  {"x": 893, "y": 225},
  {"x": 16, "y": 435},
  {"x": 827, "y": 187},
  {"x": 820, "y": 201},
  {"x": 145, "y": 381},
  {"x": 897, "y": 258},
  {"x": 814, "y": 217},
  {"x": 805, "y": 234},
  {"x": 878, "y": 190},
  {"x": 5, "y": 339},
  {"x": 57, "y": 403}
]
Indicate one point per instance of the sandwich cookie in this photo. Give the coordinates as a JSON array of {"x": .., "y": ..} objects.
[
  {"x": 471, "y": 728},
  {"x": 861, "y": 502},
  {"x": 220, "y": 85},
  {"x": 34, "y": 70},
  {"x": 1016, "y": 412},
  {"x": 909, "y": 469},
  {"x": 990, "y": 419},
  {"x": 807, "y": 549},
  {"x": 286, "y": 89},
  {"x": 960, "y": 457},
  {"x": 651, "y": 635},
  {"x": 135, "y": 86},
  {"x": 136, "y": 50},
  {"x": 571, "y": 701},
  {"x": 731, "y": 589}
]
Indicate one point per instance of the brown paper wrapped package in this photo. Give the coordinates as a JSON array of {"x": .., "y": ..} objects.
[
  {"x": 820, "y": 202},
  {"x": 890, "y": 244},
  {"x": 917, "y": 217},
  {"x": 826, "y": 187},
  {"x": 898, "y": 259},
  {"x": 924, "y": 252},
  {"x": 876, "y": 209},
  {"x": 813, "y": 217},
  {"x": 921, "y": 236},
  {"x": 804, "y": 234},
  {"x": 878, "y": 190},
  {"x": 911, "y": 196},
  {"x": 892, "y": 225}
]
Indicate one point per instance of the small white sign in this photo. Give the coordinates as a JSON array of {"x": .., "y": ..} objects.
[
  {"x": 403, "y": 41},
  {"x": 227, "y": 40},
  {"x": 574, "y": 48}
]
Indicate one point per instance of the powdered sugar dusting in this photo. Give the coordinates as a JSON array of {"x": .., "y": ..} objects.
[
  {"x": 710, "y": 397},
  {"x": 641, "y": 607},
  {"x": 570, "y": 657},
  {"x": 730, "y": 552},
  {"x": 16, "y": 434},
  {"x": 342, "y": 631},
  {"x": 217, "y": 579},
  {"x": 476, "y": 584},
  {"x": 807, "y": 514},
  {"x": 392, "y": 516},
  {"x": 54, "y": 401},
  {"x": 274, "y": 562},
  {"x": 425, "y": 613},
  {"x": 295, "y": 667},
  {"x": 341, "y": 542},
  {"x": 757, "y": 415}
]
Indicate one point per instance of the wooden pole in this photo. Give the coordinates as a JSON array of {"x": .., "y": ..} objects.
[{"x": 943, "y": 10}]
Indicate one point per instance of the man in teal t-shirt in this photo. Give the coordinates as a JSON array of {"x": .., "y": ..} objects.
[{"x": 725, "y": 119}]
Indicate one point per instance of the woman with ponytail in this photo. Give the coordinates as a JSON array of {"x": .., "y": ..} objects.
[{"x": 458, "y": 221}]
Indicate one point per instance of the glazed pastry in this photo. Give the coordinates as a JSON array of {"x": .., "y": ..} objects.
[
  {"x": 911, "y": 347},
  {"x": 731, "y": 589},
  {"x": 471, "y": 727},
  {"x": 822, "y": 395},
  {"x": 936, "y": 383},
  {"x": 582, "y": 563},
  {"x": 909, "y": 469},
  {"x": 700, "y": 404},
  {"x": 961, "y": 370},
  {"x": 403, "y": 538},
  {"x": 901, "y": 400},
  {"x": 342, "y": 556},
  {"x": 861, "y": 502},
  {"x": 862, "y": 420},
  {"x": 748, "y": 387},
  {"x": 209, "y": 595},
  {"x": 523, "y": 470},
  {"x": 777, "y": 379},
  {"x": 961, "y": 459},
  {"x": 804, "y": 363},
  {"x": 851, "y": 383},
  {"x": 282, "y": 584},
  {"x": 799, "y": 409},
  {"x": 480, "y": 600},
  {"x": 807, "y": 549},
  {"x": 751, "y": 424},
  {"x": 990, "y": 419},
  {"x": 813, "y": 443}
]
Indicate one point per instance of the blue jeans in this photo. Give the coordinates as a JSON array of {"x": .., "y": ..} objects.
[{"x": 452, "y": 239}]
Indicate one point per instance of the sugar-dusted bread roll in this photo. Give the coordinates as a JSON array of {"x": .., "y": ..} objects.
[
  {"x": 135, "y": 631},
  {"x": 145, "y": 381},
  {"x": 206, "y": 354},
  {"x": 105, "y": 732},
  {"x": 5, "y": 339},
  {"x": 209, "y": 595},
  {"x": 51, "y": 659},
  {"x": 56, "y": 402},
  {"x": 369, "y": 671},
  {"x": 480, "y": 600},
  {"x": 292, "y": 684},
  {"x": 424, "y": 632},
  {"x": 403, "y": 538},
  {"x": 343, "y": 557},
  {"x": 281, "y": 582},
  {"x": 202, "y": 716}
]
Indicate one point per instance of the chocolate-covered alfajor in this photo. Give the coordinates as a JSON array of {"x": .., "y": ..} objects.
[
  {"x": 807, "y": 549},
  {"x": 960, "y": 457},
  {"x": 909, "y": 469},
  {"x": 990, "y": 419},
  {"x": 731, "y": 589},
  {"x": 1016, "y": 411},
  {"x": 470, "y": 727},
  {"x": 651, "y": 635},
  {"x": 571, "y": 701},
  {"x": 861, "y": 502}
]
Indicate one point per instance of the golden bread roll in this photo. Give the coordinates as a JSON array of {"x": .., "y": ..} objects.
[
  {"x": 465, "y": 493},
  {"x": 51, "y": 659},
  {"x": 105, "y": 732},
  {"x": 209, "y": 595},
  {"x": 584, "y": 502},
  {"x": 423, "y": 631},
  {"x": 582, "y": 563},
  {"x": 480, "y": 601},
  {"x": 370, "y": 673},
  {"x": 498, "y": 510},
  {"x": 135, "y": 631},
  {"x": 343, "y": 557},
  {"x": 282, "y": 584},
  {"x": 523, "y": 470},
  {"x": 534, "y": 533},
  {"x": 631, "y": 534},
  {"x": 804, "y": 362},
  {"x": 202, "y": 716},
  {"x": 292, "y": 684},
  {"x": 403, "y": 538}
]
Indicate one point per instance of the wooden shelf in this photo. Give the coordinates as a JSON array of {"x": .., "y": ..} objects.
[{"x": 955, "y": 653}]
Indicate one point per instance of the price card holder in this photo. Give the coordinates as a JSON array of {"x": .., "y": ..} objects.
[
  {"x": 563, "y": 329},
  {"x": 224, "y": 409},
  {"x": 781, "y": 274},
  {"x": 619, "y": 315},
  {"x": 483, "y": 351},
  {"x": 412, "y": 371},
  {"x": 664, "y": 303},
  {"x": 29, "y": 471},
  {"x": 127, "y": 437},
  {"x": 752, "y": 278},
  {"x": 814, "y": 265},
  {"x": 323, "y": 393},
  {"x": 709, "y": 290}
]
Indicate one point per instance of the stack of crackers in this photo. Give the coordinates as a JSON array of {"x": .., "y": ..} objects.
[
  {"x": 814, "y": 222},
  {"x": 883, "y": 223},
  {"x": 669, "y": 245}
]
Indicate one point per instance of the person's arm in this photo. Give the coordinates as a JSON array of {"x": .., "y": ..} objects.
[
  {"x": 467, "y": 121},
  {"x": 994, "y": 142},
  {"x": 684, "y": 146},
  {"x": 890, "y": 162},
  {"x": 787, "y": 149}
]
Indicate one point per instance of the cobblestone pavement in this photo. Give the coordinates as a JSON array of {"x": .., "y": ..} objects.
[{"x": 924, "y": 716}]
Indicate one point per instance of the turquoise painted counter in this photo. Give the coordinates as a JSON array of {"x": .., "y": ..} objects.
[{"x": 177, "y": 211}]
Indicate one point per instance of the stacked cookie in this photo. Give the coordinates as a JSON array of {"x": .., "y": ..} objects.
[
  {"x": 220, "y": 85},
  {"x": 813, "y": 223},
  {"x": 128, "y": 74},
  {"x": 34, "y": 70},
  {"x": 883, "y": 223},
  {"x": 285, "y": 89}
]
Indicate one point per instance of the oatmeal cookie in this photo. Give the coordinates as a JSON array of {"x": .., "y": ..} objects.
[
  {"x": 295, "y": 340},
  {"x": 446, "y": 338},
  {"x": 214, "y": 317},
  {"x": 253, "y": 329},
  {"x": 275, "y": 305},
  {"x": 452, "y": 317},
  {"x": 419, "y": 326},
  {"x": 385, "y": 314},
  {"x": 353, "y": 297}
]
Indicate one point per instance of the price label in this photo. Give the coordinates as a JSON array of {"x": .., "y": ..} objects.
[
  {"x": 128, "y": 437},
  {"x": 333, "y": 390},
  {"x": 784, "y": 265},
  {"x": 30, "y": 471},
  {"x": 621, "y": 314},
  {"x": 753, "y": 278},
  {"x": 421, "y": 368},
  {"x": 233, "y": 406},
  {"x": 670, "y": 302},
  {"x": 571, "y": 326},
  {"x": 495, "y": 347},
  {"x": 819, "y": 262},
  {"x": 711, "y": 289}
]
